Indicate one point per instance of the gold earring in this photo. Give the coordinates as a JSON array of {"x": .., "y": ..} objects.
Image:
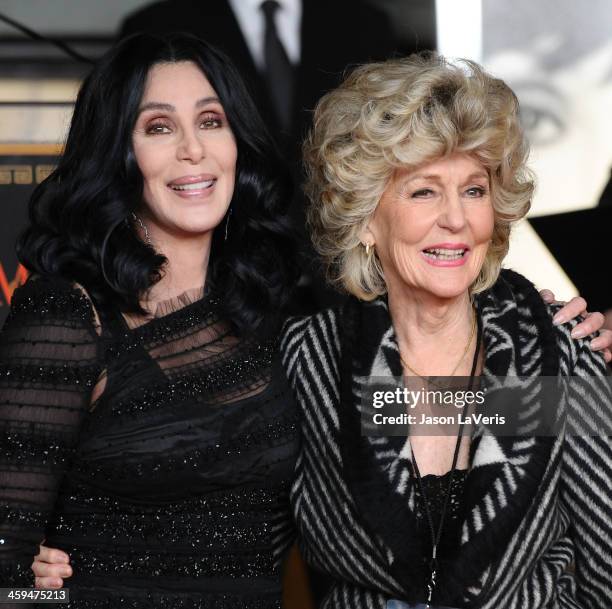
[{"x": 367, "y": 246}]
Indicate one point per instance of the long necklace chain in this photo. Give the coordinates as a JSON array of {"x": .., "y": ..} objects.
[
  {"x": 467, "y": 347},
  {"x": 436, "y": 535}
]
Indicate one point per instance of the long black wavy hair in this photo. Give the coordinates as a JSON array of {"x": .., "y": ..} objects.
[{"x": 80, "y": 217}]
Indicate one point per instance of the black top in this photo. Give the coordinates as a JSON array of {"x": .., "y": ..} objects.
[
  {"x": 436, "y": 489},
  {"x": 168, "y": 490}
]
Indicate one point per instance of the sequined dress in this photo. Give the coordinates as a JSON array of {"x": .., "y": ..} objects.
[{"x": 170, "y": 487}]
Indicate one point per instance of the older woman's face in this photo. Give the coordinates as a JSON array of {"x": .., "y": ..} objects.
[
  {"x": 433, "y": 225},
  {"x": 185, "y": 150}
]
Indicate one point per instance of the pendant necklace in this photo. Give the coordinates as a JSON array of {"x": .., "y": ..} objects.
[{"x": 436, "y": 535}]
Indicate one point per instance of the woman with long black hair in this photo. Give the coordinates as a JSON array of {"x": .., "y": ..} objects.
[{"x": 146, "y": 427}]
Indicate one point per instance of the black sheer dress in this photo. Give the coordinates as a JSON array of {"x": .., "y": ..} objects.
[{"x": 156, "y": 452}]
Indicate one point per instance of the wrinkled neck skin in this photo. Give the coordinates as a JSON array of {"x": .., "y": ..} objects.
[
  {"x": 432, "y": 332},
  {"x": 187, "y": 264}
]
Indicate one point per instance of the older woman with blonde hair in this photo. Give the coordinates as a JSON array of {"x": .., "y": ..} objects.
[{"x": 416, "y": 174}]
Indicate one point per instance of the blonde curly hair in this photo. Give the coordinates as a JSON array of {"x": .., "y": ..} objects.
[{"x": 403, "y": 113}]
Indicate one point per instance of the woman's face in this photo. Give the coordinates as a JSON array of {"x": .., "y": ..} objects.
[
  {"x": 186, "y": 152},
  {"x": 433, "y": 225},
  {"x": 567, "y": 118}
]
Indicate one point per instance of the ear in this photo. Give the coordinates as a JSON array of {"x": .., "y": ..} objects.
[{"x": 366, "y": 236}]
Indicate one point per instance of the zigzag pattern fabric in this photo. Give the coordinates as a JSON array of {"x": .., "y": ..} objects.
[{"x": 538, "y": 527}]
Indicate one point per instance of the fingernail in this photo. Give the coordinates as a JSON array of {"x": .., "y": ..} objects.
[
  {"x": 559, "y": 319},
  {"x": 66, "y": 572},
  {"x": 578, "y": 333},
  {"x": 57, "y": 583},
  {"x": 597, "y": 343}
]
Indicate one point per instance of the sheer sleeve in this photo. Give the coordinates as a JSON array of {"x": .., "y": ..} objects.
[{"x": 48, "y": 366}]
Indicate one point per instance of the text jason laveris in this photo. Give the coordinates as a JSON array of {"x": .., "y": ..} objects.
[{"x": 425, "y": 419}]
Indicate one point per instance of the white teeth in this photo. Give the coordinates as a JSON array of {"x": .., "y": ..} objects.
[
  {"x": 194, "y": 186},
  {"x": 444, "y": 254}
]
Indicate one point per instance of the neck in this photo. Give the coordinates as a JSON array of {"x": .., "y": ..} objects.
[
  {"x": 186, "y": 267},
  {"x": 423, "y": 323}
]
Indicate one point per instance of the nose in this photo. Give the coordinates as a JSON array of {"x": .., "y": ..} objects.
[
  {"x": 452, "y": 213},
  {"x": 191, "y": 147}
]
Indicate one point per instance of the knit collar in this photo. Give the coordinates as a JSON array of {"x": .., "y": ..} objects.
[{"x": 505, "y": 473}]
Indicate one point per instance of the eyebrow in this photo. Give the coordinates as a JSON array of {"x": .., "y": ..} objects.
[
  {"x": 170, "y": 108},
  {"x": 473, "y": 176},
  {"x": 478, "y": 174}
]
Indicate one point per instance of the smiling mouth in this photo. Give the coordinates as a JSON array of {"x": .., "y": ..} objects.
[
  {"x": 195, "y": 186},
  {"x": 445, "y": 254}
]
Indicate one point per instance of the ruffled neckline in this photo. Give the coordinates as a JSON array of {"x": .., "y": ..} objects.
[{"x": 162, "y": 308}]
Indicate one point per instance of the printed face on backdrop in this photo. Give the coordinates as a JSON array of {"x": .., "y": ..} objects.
[
  {"x": 557, "y": 57},
  {"x": 185, "y": 150},
  {"x": 433, "y": 225},
  {"x": 567, "y": 119}
]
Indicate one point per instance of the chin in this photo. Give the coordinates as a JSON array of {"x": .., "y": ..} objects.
[
  {"x": 449, "y": 295},
  {"x": 201, "y": 223},
  {"x": 194, "y": 230},
  {"x": 449, "y": 291}
]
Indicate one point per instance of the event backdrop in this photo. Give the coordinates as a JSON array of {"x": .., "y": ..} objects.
[
  {"x": 22, "y": 166},
  {"x": 34, "y": 115}
]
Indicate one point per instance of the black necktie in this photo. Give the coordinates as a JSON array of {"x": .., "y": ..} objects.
[{"x": 279, "y": 71}]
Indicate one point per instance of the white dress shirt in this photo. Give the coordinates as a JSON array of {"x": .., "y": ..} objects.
[{"x": 288, "y": 21}]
